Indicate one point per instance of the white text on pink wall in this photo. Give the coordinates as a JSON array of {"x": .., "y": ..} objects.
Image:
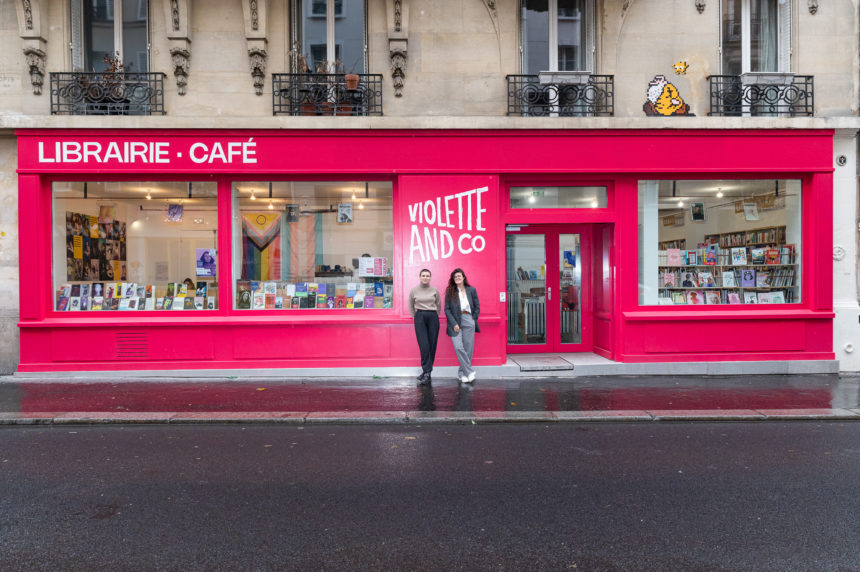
[{"x": 447, "y": 224}]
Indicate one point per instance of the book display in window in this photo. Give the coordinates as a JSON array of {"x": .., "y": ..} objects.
[
  {"x": 95, "y": 247},
  {"x": 127, "y": 296},
  {"x": 751, "y": 267}
]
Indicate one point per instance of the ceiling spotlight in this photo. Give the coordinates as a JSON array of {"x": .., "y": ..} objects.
[
  {"x": 680, "y": 203},
  {"x": 353, "y": 195},
  {"x": 361, "y": 204},
  {"x": 148, "y": 195},
  {"x": 594, "y": 204},
  {"x": 271, "y": 206},
  {"x": 253, "y": 196},
  {"x": 719, "y": 193},
  {"x": 531, "y": 198}
]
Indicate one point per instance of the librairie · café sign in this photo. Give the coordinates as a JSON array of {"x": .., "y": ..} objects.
[{"x": 137, "y": 153}]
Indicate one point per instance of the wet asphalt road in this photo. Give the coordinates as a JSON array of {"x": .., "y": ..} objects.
[{"x": 613, "y": 496}]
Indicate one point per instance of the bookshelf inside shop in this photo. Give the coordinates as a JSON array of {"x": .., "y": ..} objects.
[{"x": 744, "y": 267}]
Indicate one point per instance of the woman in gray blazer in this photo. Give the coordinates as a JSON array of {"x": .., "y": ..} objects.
[{"x": 462, "y": 310}]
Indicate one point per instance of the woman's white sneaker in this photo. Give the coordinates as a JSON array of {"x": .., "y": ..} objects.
[{"x": 472, "y": 376}]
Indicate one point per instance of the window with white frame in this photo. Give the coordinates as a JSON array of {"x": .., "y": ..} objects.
[
  {"x": 756, "y": 36},
  {"x": 114, "y": 29},
  {"x": 331, "y": 34},
  {"x": 557, "y": 35}
]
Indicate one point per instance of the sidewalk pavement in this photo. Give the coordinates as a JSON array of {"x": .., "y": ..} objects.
[{"x": 171, "y": 399}]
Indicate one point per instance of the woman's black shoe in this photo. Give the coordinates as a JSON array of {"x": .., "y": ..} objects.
[{"x": 424, "y": 379}]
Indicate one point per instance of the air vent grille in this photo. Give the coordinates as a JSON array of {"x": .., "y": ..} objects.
[{"x": 132, "y": 345}]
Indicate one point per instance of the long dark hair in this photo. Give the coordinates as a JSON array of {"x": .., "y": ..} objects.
[{"x": 451, "y": 291}]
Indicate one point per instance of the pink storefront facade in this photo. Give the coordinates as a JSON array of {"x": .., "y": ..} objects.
[{"x": 451, "y": 206}]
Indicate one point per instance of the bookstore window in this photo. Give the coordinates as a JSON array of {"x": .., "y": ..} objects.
[
  {"x": 312, "y": 244},
  {"x": 720, "y": 242},
  {"x": 135, "y": 246}
]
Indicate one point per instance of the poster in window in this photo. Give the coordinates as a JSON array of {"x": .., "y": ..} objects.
[
  {"x": 205, "y": 262},
  {"x": 750, "y": 211},
  {"x": 344, "y": 213},
  {"x": 697, "y": 212},
  {"x": 174, "y": 213}
]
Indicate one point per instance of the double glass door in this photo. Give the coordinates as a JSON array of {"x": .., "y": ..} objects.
[{"x": 547, "y": 289}]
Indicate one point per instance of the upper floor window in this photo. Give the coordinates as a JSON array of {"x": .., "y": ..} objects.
[
  {"x": 557, "y": 35},
  {"x": 113, "y": 29},
  {"x": 756, "y": 36},
  {"x": 331, "y": 34}
]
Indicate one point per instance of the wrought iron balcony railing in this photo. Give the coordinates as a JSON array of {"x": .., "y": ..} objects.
[
  {"x": 760, "y": 94},
  {"x": 107, "y": 93},
  {"x": 589, "y": 96},
  {"x": 326, "y": 94}
]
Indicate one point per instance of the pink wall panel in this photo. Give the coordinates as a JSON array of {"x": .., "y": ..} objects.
[{"x": 691, "y": 336}]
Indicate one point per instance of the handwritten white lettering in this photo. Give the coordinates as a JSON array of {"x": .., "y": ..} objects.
[{"x": 429, "y": 237}]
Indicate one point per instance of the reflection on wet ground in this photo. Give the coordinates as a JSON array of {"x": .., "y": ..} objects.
[{"x": 398, "y": 394}]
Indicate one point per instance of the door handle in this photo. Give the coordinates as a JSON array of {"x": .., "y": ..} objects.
[{"x": 549, "y": 293}]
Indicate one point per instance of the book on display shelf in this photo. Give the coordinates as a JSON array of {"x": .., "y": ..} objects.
[
  {"x": 728, "y": 277},
  {"x": 368, "y": 301},
  {"x": 199, "y": 303},
  {"x": 733, "y": 297},
  {"x": 764, "y": 297},
  {"x": 76, "y": 291},
  {"x": 268, "y": 301},
  {"x": 210, "y": 302},
  {"x": 762, "y": 279},
  {"x": 183, "y": 289},
  {"x": 750, "y": 298},
  {"x": 679, "y": 298},
  {"x": 140, "y": 290},
  {"x": 777, "y": 297},
  {"x": 243, "y": 295},
  {"x": 85, "y": 302},
  {"x": 178, "y": 303},
  {"x": 63, "y": 304},
  {"x": 739, "y": 256},
  {"x": 159, "y": 303},
  {"x": 98, "y": 303},
  {"x": 202, "y": 288},
  {"x": 758, "y": 255},
  {"x": 74, "y": 303},
  {"x": 748, "y": 278},
  {"x": 279, "y": 302},
  {"x": 295, "y": 302},
  {"x": 771, "y": 256},
  {"x": 673, "y": 257},
  {"x": 689, "y": 280},
  {"x": 259, "y": 301},
  {"x": 695, "y": 297},
  {"x": 706, "y": 280},
  {"x": 713, "y": 297},
  {"x": 125, "y": 304},
  {"x": 149, "y": 303}
]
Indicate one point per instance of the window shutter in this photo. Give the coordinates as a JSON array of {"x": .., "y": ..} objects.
[
  {"x": 784, "y": 35},
  {"x": 77, "y": 35},
  {"x": 590, "y": 25}
]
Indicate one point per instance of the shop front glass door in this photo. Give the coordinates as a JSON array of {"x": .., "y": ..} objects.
[{"x": 545, "y": 272}]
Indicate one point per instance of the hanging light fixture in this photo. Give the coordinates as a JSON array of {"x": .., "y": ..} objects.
[
  {"x": 253, "y": 196},
  {"x": 148, "y": 195},
  {"x": 271, "y": 206},
  {"x": 680, "y": 203},
  {"x": 361, "y": 204},
  {"x": 719, "y": 193}
]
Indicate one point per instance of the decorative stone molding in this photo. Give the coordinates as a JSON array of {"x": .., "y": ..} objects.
[
  {"x": 255, "y": 13},
  {"x": 398, "y": 41},
  {"x": 258, "y": 68},
  {"x": 398, "y": 15},
  {"x": 700, "y": 6},
  {"x": 178, "y": 14},
  {"x": 397, "y": 53},
  {"x": 27, "y": 6},
  {"x": 34, "y": 45},
  {"x": 36, "y": 64},
  {"x": 180, "y": 58},
  {"x": 838, "y": 252},
  {"x": 813, "y": 6},
  {"x": 174, "y": 14}
]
